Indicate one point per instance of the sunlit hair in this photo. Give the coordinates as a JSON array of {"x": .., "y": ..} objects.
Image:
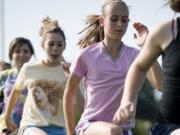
[
  {"x": 93, "y": 32},
  {"x": 103, "y": 11},
  {"x": 50, "y": 26},
  {"x": 18, "y": 42},
  {"x": 175, "y": 5}
]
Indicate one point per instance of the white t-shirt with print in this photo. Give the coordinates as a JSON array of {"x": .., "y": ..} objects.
[{"x": 45, "y": 86}]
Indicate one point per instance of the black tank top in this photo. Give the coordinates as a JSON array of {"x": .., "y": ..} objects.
[{"x": 170, "y": 103}]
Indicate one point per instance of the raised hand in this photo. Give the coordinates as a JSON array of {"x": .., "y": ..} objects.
[
  {"x": 141, "y": 35},
  {"x": 66, "y": 67},
  {"x": 125, "y": 113}
]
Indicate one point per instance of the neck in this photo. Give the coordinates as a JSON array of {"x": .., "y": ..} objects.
[
  {"x": 50, "y": 64},
  {"x": 18, "y": 67},
  {"x": 113, "y": 47}
]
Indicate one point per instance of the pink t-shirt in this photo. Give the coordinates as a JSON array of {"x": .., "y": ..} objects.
[{"x": 104, "y": 80}]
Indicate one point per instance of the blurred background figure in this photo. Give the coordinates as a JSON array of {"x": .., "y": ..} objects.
[
  {"x": 4, "y": 65},
  {"x": 20, "y": 52}
]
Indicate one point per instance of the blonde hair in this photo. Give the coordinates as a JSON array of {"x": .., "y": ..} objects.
[
  {"x": 110, "y": 2},
  {"x": 50, "y": 26},
  {"x": 93, "y": 32}
]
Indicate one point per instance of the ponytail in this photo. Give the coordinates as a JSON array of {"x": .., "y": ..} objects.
[{"x": 93, "y": 32}]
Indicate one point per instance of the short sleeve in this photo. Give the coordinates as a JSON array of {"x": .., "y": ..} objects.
[
  {"x": 79, "y": 65},
  {"x": 19, "y": 84}
]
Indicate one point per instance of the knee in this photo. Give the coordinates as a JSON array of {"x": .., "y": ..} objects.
[
  {"x": 176, "y": 132},
  {"x": 114, "y": 130}
]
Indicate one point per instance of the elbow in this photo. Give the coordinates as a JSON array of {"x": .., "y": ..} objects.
[
  {"x": 68, "y": 97},
  {"x": 159, "y": 82},
  {"x": 158, "y": 86}
]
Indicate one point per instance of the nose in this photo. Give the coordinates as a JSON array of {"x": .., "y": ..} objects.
[
  {"x": 22, "y": 54},
  {"x": 55, "y": 47},
  {"x": 120, "y": 23}
]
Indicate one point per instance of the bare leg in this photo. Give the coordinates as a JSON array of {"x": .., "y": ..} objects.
[
  {"x": 34, "y": 131},
  {"x": 176, "y": 132},
  {"x": 103, "y": 128}
]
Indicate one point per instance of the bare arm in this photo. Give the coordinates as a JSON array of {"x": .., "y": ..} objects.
[
  {"x": 80, "y": 100},
  {"x": 69, "y": 102},
  {"x": 136, "y": 75},
  {"x": 14, "y": 96},
  {"x": 162, "y": 36},
  {"x": 155, "y": 75}
]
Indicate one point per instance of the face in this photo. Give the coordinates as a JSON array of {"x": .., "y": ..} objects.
[
  {"x": 54, "y": 46},
  {"x": 39, "y": 94},
  {"x": 115, "y": 21},
  {"x": 21, "y": 55}
]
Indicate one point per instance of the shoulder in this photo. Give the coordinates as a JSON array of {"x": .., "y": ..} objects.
[
  {"x": 7, "y": 72},
  {"x": 162, "y": 28},
  {"x": 92, "y": 49},
  {"x": 30, "y": 65},
  {"x": 130, "y": 50},
  {"x": 161, "y": 35}
]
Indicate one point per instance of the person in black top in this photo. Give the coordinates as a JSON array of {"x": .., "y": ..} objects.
[{"x": 163, "y": 40}]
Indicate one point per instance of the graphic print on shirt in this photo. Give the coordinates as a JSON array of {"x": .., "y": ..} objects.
[{"x": 46, "y": 95}]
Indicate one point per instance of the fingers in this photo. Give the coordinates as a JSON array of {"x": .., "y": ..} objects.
[
  {"x": 124, "y": 114},
  {"x": 14, "y": 127},
  {"x": 132, "y": 108},
  {"x": 66, "y": 67},
  {"x": 140, "y": 27},
  {"x": 141, "y": 33},
  {"x": 11, "y": 126}
]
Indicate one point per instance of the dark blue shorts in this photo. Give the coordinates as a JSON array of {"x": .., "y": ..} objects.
[
  {"x": 52, "y": 130},
  {"x": 163, "y": 128}
]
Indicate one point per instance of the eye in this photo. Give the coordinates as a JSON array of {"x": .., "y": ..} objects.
[
  {"x": 17, "y": 51},
  {"x": 51, "y": 43},
  {"x": 114, "y": 19},
  {"x": 26, "y": 51},
  {"x": 125, "y": 20},
  {"x": 60, "y": 44}
]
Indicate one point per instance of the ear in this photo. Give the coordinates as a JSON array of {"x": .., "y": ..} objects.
[{"x": 101, "y": 21}]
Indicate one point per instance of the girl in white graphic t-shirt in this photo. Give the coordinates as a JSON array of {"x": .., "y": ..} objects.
[{"x": 45, "y": 81}]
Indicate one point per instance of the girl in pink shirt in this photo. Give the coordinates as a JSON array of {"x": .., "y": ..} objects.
[{"x": 103, "y": 65}]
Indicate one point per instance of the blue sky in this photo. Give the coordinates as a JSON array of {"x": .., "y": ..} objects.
[{"x": 23, "y": 18}]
